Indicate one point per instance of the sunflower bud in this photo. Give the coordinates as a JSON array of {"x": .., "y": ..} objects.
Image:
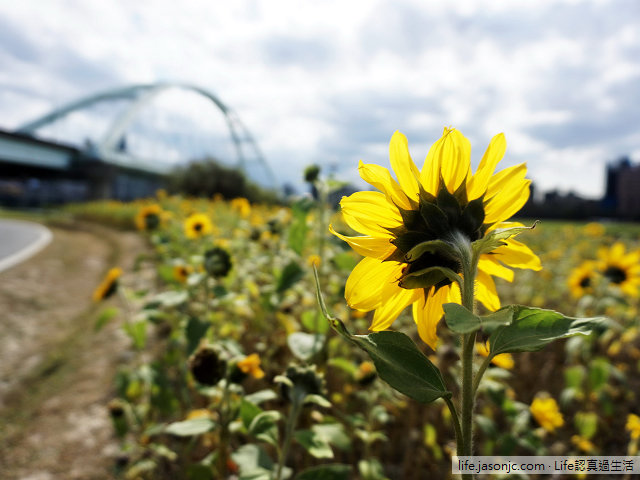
[
  {"x": 302, "y": 381},
  {"x": 217, "y": 262},
  {"x": 311, "y": 173},
  {"x": 207, "y": 366}
]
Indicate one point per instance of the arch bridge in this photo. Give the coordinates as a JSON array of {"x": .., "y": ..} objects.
[{"x": 122, "y": 142}]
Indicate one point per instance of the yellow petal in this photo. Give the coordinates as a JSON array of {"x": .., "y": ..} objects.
[
  {"x": 450, "y": 157},
  {"x": 403, "y": 165},
  {"x": 517, "y": 255},
  {"x": 509, "y": 196},
  {"x": 380, "y": 178},
  {"x": 486, "y": 291},
  {"x": 366, "y": 281},
  {"x": 369, "y": 213},
  {"x": 488, "y": 264},
  {"x": 393, "y": 300},
  {"x": 376, "y": 247},
  {"x": 480, "y": 181},
  {"x": 427, "y": 312}
]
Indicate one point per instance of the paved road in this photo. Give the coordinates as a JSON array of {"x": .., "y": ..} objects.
[{"x": 19, "y": 240}]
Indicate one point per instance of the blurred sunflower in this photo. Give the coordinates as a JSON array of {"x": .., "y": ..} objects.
[
  {"x": 503, "y": 360},
  {"x": 149, "y": 217},
  {"x": 108, "y": 286},
  {"x": 182, "y": 272},
  {"x": 546, "y": 412},
  {"x": 242, "y": 206},
  {"x": 582, "y": 279},
  {"x": 620, "y": 268},
  {"x": 197, "y": 225},
  {"x": 443, "y": 201}
]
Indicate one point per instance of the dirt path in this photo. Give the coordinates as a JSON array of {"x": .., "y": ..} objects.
[{"x": 56, "y": 371}]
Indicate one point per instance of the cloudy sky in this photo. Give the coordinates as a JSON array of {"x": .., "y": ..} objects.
[{"x": 328, "y": 82}]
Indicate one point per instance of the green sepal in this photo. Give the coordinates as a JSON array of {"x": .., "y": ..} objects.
[
  {"x": 496, "y": 238},
  {"x": 396, "y": 358},
  {"x": 460, "y": 320},
  {"x": 439, "y": 247},
  {"x": 449, "y": 205},
  {"x": 533, "y": 328},
  {"x": 428, "y": 277},
  {"x": 473, "y": 216},
  {"x": 408, "y": 240},
  {"x": 436, "y": 220}
]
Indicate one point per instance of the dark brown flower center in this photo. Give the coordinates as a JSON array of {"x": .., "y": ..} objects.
[{"x": 615, "y": 274}]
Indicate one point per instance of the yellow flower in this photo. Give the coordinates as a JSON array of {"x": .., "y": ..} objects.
[
  {"x": 108, "y": 286},
  {"x": 314, "y": 260},
  {"x": 633, "y": 426},
  {"x": 251, "y": 366},
  {"x": 583, "y": 444},
  {"x": 241, "y": 206},
  {"x": 502, "y": 360},
  {"x": 546, "y": 413},
  {"x": 197, "y": 225},
  {"x": 620, "y": 268},
  {"x": 149, "y": 217},
  {"x": 581, "y": 279},
  {"x": 594, "y": 229},
  {"x": 442, "y": 201},
  {"x": 182, "y": 272}
]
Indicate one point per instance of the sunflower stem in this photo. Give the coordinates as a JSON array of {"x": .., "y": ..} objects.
[{"x": 469, "y": 264}]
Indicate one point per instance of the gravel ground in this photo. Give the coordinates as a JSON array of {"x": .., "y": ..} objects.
[{"x": 56, "y": 371}]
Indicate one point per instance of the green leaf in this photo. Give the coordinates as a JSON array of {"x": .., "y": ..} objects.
[
  {"x": 533, "y": 328},
  {"x": 109, "y": 314},
  {"x": 586, "y": 423},
  {"x": 198, "y": 471},
  {"x": 261, "y": 396},
  {"x": 336, "y": 471},
  {"x": 345, "y": 261},
  {"x": 194, "y": 331},
  {"x": 305, "y": 345},
  {"x": 461, "y": 320},
  {"x": 495, "y": 238},
  {"x": 248, "y": 411},
  {"x": 298, "y": 230},
  {"x": 189, "y": 428},
  {"x": 289, "y": 277},
  {"x": 334, "y": 434},
  {"x": 314, "y": 321},
  {"x": 371, "y": 469},
  {"x": 137, "y": 331},
  {"x": 397, "y": 359},
  {"x": 264, "y": 426},
  {"x": 254, "y": 463},
  {"x": 316, "y": 445}
]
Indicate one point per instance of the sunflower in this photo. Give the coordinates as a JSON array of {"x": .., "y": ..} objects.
[
  {"x": 442, "y": 202},
  {"x": 620, "y": 268},
  {"x": 149, "y": 217},
  {"x": 197, "y": 225},
  {"x": 582, "y": 279},
  {"x": 108, "y": 286},
  {"x": 181, "y": 272}
]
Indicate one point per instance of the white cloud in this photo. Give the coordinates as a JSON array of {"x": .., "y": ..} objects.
[{"x": 330, "y": 81}]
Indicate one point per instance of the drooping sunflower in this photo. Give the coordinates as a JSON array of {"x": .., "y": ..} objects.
[
  {"x": 149, "y": 217},
  {"x": 582, "y": 279},
  {"x": 108, "y": 285},
  {"x": 620, "y": 268},
  {"x": 440, "y": 202},
  {"x": 197, "y": 225}
]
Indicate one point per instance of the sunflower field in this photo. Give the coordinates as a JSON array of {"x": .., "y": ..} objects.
[{"x": 265, "y": 347}]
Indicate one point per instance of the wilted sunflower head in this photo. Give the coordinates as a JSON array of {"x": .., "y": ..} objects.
[
  {"x": 208, "y": 365},
  {"x": 413, "y": 227},
  {"x": 108, "y": 286},
  {"x": 621, "y": 269},
  {"x": 149, "y": 217},
  {"x": 197, "y": 225},
  {"x": 217, "y": 262}
]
